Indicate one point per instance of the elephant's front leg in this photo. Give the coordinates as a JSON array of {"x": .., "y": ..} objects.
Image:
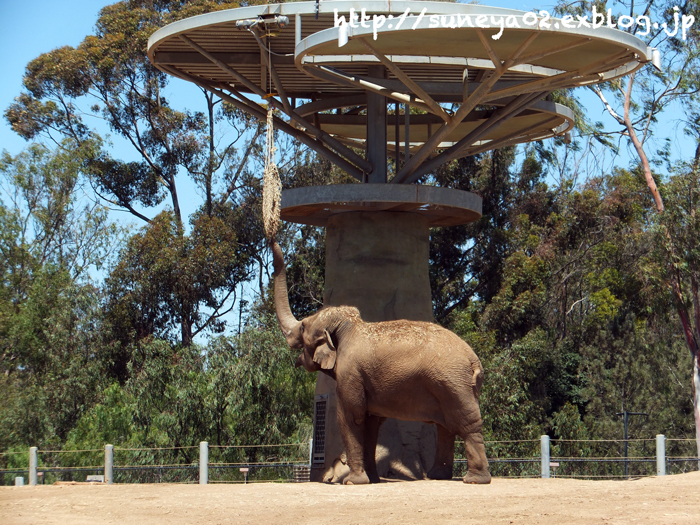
[
  {"x": 351, "y": 420},
  {"x": 372, "y": 424}
]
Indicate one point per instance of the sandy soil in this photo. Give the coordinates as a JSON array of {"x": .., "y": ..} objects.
[{"x": 664, "y": 500}]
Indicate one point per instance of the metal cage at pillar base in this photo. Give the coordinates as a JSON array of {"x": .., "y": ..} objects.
[{"x": 318, "y": 456}]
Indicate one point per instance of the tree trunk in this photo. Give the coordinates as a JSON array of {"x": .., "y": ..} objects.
[
  {"x": 696, "y": 400},
  {"x": 212, "y": 153},
  {"x": 691, "y": 338},
  {"x": 640, "y": 148}
]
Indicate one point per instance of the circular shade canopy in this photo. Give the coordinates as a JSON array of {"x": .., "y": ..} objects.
[
  {"x": 421, "y": 82},
  {"x": 440, "y": 206}
]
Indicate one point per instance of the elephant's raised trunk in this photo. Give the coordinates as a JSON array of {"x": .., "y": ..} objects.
[{"x": 288, "y": 323}]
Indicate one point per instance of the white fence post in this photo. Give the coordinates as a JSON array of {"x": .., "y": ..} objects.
[
  {"x": 544, "y": 453},
  {"x": 660, "y": 455},
  {"x": 109, "y": 464},
  {"x": 203, "y": 462},
  {"x": 311, "y": 451},
  {"x": 33, "y": 462}
]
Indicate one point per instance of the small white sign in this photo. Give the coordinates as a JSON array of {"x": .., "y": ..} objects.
[{"x": 96, "y": 477}]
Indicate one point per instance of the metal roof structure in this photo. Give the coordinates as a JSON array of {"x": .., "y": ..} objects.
[{"x": 421, "y": 82}]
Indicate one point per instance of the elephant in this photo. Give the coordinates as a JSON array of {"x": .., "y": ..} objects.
[{"x": 409, "y": 370}]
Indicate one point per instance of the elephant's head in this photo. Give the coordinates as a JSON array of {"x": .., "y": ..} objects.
[
  {"x": 319, "y": 335},
  {"x": 316, "y": 333}
]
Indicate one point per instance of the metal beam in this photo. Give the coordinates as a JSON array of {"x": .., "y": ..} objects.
[
  {"x": 325, "y": 104},
  {"x": 259, "y": 113},
  {"x": 553, "y": 51},
  {"x": 508, "y": 140},
  {"x": 407, "y": 132},
  {"x": 396, "y": 138},
  {"x": 196, "y": 59},
  {"x": 410, "y": 84},
  {"x": 517, "y": 106},
  {"x": 376, "y": 131},
  {"x": 547, "y": 82},
  {"x": 338, "y": 77},
  {"x": 466, "y": 107},
  {"x": 314, "y": 131}
]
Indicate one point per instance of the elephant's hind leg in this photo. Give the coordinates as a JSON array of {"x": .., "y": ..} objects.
[
  {"x": 478, "y": 465},
  {"x": 444, "y": 456},
  {"x": 372, "y": 424}
]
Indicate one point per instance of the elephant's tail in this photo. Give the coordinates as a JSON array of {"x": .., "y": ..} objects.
[{"x": 478, "y": 378}]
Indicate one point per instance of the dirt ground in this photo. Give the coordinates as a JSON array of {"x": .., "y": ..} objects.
[{"x": 662, "y": 500}]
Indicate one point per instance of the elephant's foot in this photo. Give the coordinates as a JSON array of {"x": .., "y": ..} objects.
[
  {"x": 477, "y": 478},
  {"x": 440, "y": 472},
  {"x": 373, "y": 477},
  {"x": 356, "y": 478}
]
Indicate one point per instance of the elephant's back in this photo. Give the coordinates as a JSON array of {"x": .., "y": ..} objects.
[{"x": 422, "y": 349}]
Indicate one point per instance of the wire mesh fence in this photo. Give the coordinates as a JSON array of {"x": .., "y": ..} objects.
[
  {"x": 604, "y": 459},
  {"x": 679, "y": 456},
  {"x": 581, "y": 459},
  {"x": 507, "y": 459},
  {"x": 156, "y": 465},
  {"x": 13, "y": 463},
  {"x": 264, "y": 462}
]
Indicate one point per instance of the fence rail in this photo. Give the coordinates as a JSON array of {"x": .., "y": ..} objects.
[{"x": 589, "y": 459}]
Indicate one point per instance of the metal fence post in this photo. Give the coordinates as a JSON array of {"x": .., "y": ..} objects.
[
  {"x": 203, "y": 462},
  {"x": 33, "y": 462},
  {"x": 660, "y": 455},
  {"x": 109, "y": 464},
  {"x": 544, "y": 453},
  {"x": 311, "y": 451}
]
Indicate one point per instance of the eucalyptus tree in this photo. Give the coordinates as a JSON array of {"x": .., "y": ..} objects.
[
  {"x": 207, "y": 154},
  {"x": 52, "y": 361},
  {"x": 638, "y": 101},
  {"x": 646, "y": 108},
  {"x": 678, "y": 238}
]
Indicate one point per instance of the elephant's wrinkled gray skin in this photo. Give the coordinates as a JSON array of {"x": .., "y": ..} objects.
[{"x": 406, "y": 370}]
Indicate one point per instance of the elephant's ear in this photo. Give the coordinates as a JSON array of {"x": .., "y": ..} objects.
[{"x": 325, "y": 353}]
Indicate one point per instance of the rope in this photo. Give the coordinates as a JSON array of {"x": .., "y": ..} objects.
[
  {"x": 70, "y": 451},
  {"x": 260, "y": 446},
  {"x": 161, "y": 448},
  {"x": 600, "y": 440},
  {"x": 272, "y": 186}
]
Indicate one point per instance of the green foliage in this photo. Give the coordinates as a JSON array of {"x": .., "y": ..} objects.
[{"x": 562, "y": 290}]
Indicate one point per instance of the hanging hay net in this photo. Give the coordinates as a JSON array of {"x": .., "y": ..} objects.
[{"x": 272, "y": 186}]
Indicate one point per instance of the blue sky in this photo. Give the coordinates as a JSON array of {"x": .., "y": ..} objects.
[{"x": 31, "y": 27}]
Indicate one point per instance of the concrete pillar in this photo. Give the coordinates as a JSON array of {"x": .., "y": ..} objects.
[
  {"x": 660, "y": 455},
  {"x": 544, "y": 453},
  {"x": 203, "y": 463},
  {"x": 109, "y": 464},
  {"x": 33, "y": 462},
  {"x": 311, "y": 452},
  {"x": 378, "y": 262}
]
